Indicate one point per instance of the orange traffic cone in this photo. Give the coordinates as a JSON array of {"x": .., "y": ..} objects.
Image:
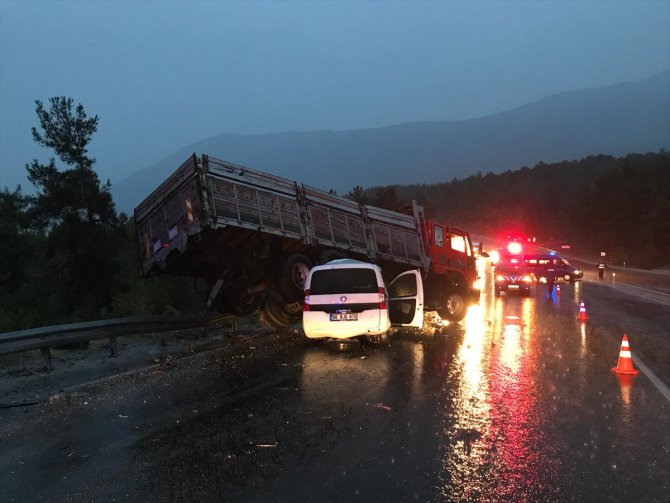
[
  {"x": 625, "y": 363},
  {"x": 582, "y": 313},
  {"x": 558, "y": 290}
]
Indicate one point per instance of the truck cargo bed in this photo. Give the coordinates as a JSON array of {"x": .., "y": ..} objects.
[{"x": 208, "y": 204}]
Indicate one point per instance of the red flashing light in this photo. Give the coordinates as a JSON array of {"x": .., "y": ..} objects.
[
  {"x": 514, "y": 248},
  {"x": 382, "y": 299},
  {"x": 305, "y": 307}
]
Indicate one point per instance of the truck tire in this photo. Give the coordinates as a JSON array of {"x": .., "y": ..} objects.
[
  {"x": 291, "y": 276},
  {"x": 454, "y": 306},
  {"x": 275, "y": 315},
  {"x": 328, "y": 255},
  {"x": 244, "y": 304}
]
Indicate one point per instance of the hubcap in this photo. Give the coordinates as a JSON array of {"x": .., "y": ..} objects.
[
  {"x": 299, "y": 275},
  {"x": 454, "y": 303}
]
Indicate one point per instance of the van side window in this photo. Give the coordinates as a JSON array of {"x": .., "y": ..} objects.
[
  {"x": 404, "y": 286},
  {"x": 439, "y": 235}
]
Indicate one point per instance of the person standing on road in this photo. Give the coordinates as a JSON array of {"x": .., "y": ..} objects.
[
  {"x": 601, "y": 269},
  {"x": 550, "y": 287}
]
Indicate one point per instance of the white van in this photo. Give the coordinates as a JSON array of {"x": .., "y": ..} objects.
[{"x": 348, "y": 298}]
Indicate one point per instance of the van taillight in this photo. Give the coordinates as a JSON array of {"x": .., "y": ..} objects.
[
  {"x": 382, "y": 299},
  {"x": 305, "y": 307}
]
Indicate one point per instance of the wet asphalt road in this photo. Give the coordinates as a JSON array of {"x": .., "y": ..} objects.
[{"x": 516, "y": 403}]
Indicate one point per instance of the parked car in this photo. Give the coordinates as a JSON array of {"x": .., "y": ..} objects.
[
  {"x": 543, "y": 265},
  {"x": 512, "y": 276},
  {"x": 348, "y": 298}
]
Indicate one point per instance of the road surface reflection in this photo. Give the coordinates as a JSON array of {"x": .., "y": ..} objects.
[{"x": 492, "y": 443}]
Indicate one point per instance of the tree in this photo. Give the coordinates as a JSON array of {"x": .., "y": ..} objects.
[
  {"x": 18, "y": 256},
  {"x": 385, "y": 197},
  {"x": 75, "y": 192},
  {"x": 358, "y": 194},
  {"x": 77, "y": 214}
]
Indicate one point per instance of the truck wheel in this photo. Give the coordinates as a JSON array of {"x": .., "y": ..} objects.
[
  {"x": 328, "y": 255},
  {"x": 454, "y": 307},
  {"x": 291, "y": 277},
  {"x": 274, "y": 314},
  {"x": 244, "y": 304}
]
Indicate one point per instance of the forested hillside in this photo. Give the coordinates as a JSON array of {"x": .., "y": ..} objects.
[
  {"x": 614, "y": 120},
  {"x": 619, "y": 204}
]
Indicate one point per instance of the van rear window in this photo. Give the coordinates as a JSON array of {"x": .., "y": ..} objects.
[{"x": 329, "y": 281}]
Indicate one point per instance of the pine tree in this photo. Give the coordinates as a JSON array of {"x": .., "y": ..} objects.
[{"x": 77, "y": 214}]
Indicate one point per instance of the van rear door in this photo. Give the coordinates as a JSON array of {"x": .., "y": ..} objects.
[{"x": 406, "y": 300}]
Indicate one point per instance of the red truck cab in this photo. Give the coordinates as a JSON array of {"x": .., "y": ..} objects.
[{"x": 452, "y": 255}]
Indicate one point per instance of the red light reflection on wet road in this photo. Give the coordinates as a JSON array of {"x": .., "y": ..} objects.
[{"x": 493, "y": 422}]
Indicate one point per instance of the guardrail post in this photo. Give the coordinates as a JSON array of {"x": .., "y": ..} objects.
[
  {"x": 113, "y": 347},
  {"x": 46, "y": 356}
]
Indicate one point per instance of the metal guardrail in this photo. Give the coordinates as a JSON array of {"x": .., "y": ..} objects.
[{"x": 44, "y": 338}]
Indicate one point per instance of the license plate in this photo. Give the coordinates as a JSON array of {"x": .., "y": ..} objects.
[
  {"x": 343, "y": 316},
  {"x": 513, "y": 287}
]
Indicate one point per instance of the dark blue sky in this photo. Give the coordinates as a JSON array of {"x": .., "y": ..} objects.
[{"x": 164, "y": 74}]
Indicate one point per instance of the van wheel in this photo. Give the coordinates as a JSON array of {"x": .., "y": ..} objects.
[
  {"x": 453, "y": 306},
  {"x": 377, "y": 340},
  {"x": 291, "y": 277}
]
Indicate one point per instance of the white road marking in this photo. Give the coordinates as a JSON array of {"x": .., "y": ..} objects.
[
  {"x": 653, "y": 295},
  {"x": 660, "y": 385},
  {"x": 627, "y": 285}
]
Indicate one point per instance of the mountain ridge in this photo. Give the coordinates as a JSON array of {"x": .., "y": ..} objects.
[{"x": 617, "y": 119}]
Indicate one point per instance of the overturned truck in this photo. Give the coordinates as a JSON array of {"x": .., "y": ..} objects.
[{"x": 255, "y": 236}]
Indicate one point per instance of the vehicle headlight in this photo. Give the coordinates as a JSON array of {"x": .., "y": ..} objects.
[{"x": 500, "y": 278}]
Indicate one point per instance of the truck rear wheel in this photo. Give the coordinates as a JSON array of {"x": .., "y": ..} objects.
[
  {"x": 291, "y": 277},
  {"x": 275, "y": 315},
  {"x": 244, "y": 304},
  {"x": 453, "y": 306}
]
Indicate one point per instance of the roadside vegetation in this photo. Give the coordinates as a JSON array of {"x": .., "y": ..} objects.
[
  {"x": 617, "y": 204},
  {"x": 66, "y": 255}
]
